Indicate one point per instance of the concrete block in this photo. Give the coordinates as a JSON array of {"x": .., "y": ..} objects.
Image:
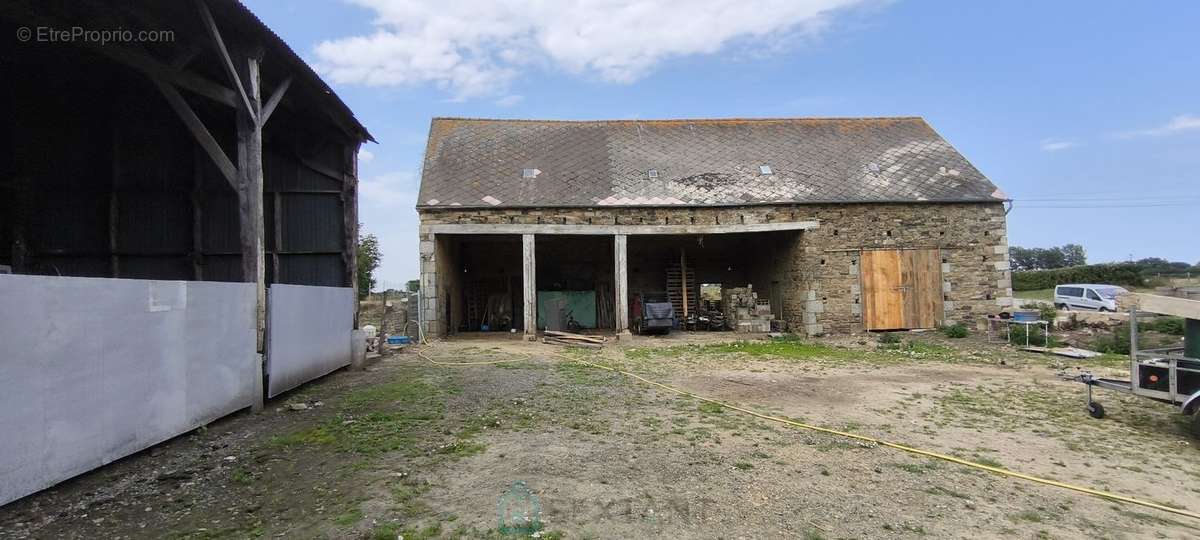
[
  {"x": 810, "y": 295},
  {"x": 945, "y": 268},
  {"x": 1001, "y": 265},
  {"x": 810, "y": 318},
  {"x": 814, "y": 329},
  {"x": 948, "y": 305},
  {"x": 1000, "y": 249},
  {"x": 946, "y": 287},
  {"x": 855, "y": 309},
  {"x": 1004, "y": 301},
  {"x": 855, "y": 289},
  {"x": 814, "y": 306},
  {"x": 427, "y": 248}
]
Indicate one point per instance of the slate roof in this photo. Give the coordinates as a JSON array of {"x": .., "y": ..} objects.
[{"x": 479, "y": 162}]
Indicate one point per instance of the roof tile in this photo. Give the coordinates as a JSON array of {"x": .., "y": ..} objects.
[{"x": 473, "y": 162}]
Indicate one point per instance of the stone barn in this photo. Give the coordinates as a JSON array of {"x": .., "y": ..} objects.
[{"x": 835, "y": 225}]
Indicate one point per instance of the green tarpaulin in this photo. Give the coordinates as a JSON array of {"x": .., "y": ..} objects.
[{"x": 557, "y": 305}]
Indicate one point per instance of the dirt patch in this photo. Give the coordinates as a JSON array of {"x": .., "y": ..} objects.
[{"x": 409, "y": 448}]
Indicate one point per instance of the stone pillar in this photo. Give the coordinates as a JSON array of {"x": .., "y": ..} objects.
[
  {"x": 621, "y": 281},
  {"x": 427, "y": 312},
  {"x": 529, "y": 272}
]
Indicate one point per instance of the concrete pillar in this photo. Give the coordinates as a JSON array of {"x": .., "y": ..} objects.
[
  {"x": 529, "y": 272},
  {"x": 621, "y": 281}
]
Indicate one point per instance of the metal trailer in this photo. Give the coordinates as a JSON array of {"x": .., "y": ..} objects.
[{"x": 1165, "y": 375}]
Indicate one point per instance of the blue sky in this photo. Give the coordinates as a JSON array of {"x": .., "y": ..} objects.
[{"x": 1086, "y": 113}]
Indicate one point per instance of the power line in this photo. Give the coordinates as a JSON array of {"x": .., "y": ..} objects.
[
  {"x": 1167, "y": 197},
  {"x": 1093, "y": 206}
]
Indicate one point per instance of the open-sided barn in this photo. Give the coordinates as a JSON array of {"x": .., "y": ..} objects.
[
  {"x": 839, "y": 225},
  {"x": 178, "y": 226}
]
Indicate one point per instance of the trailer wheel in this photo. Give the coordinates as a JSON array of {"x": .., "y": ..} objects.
[{"x": 1095, "y": 410}]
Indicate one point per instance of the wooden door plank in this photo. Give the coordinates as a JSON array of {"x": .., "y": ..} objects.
[
  {"x": 923, "y": 296},
  {"x": 882, "y": 301},
  {"x": 909, "y": 297}
]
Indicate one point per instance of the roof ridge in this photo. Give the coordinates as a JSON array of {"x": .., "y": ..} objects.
[{"x": 680, "y": 120}]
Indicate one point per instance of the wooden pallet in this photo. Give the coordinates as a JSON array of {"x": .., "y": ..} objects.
[{"x": 675, "y": 290}]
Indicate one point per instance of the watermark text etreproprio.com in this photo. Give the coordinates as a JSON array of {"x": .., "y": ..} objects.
[{"x": 96, "y": 36}]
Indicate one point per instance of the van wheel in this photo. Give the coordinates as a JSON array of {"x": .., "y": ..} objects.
[
  {"x": 1065, "y": 307},
  {"x": 1104, "y": 310},
  {"x": 1095, "y": 410}
]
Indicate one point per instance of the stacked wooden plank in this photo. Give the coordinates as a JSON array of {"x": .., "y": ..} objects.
[{"x": 572, "y": 339}]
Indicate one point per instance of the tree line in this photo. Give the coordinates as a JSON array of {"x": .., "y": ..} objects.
[{"x": 1067, "y": 255}]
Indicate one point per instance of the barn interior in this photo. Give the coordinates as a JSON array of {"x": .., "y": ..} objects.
[
  {"x": 481, "y": 282},
  {"x": 103, "y": 173},
  {"x": 699, "y": 272},
  {"x": 481, "y": 279},
  {"x": 575, "y": 282}
]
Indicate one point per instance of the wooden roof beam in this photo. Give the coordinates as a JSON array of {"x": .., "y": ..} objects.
[
  {"x": 226, "y": 61},
  {"x": 199, "y": 131},
  {"x": 273, "y": 101}
]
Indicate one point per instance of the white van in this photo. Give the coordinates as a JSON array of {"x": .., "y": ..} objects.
[{"x": 1087, "y": 297}]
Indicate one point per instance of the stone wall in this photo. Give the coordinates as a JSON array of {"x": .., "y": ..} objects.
[{"x": 820, "y": 265}]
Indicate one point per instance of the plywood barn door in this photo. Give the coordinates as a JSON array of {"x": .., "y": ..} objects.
[{"x": 902, "y": 289}]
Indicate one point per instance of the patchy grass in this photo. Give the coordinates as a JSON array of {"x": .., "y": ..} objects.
[
  {"x": 349, "y": 518},
  {"x": 390, "y": 417},
  {"x": 1044, "y": 295}
]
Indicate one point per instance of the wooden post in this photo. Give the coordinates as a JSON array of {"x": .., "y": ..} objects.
[
  {"x": 197, "y": 215},
  {"x": 529, "y": 272},
  {"x": 114, "y": 264},
  {"x": 683, "y": 281},
  {"x": 19, "y": 223},
  {"x": 250, "y": 204},
  {"x": 621, "y": 270},
  {"x": 350, "y": 230},
  {"x": 350, "y": 218}
]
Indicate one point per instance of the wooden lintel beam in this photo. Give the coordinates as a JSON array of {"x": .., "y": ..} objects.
[
  {"x": 200, "y": 132},
  {"x": 273, "y": 101},
  {"x": 226, "y": 61}
]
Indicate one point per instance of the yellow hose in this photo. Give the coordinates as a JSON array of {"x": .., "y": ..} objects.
[
  {"x": 918, "y": 451},
  {"x": 880, "y": 442}
]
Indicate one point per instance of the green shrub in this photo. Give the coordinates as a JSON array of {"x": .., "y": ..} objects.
[
  {"x": 889, "y": 338},
  {"x": 1117, "y": 274},
  {"x": 956, "y": 331},
  {"x": 1166, "y": 325},
  {"x": 1116, "y": 342}
]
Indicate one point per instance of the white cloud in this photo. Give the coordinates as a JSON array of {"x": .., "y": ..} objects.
[
  {"x": 510, "y": 100},
  {"x": 1054, "y": 145},
  {"x": 390, "y": 190},
  {"x": 365, "y": 155},
  {"x": 1183, "y": 122},
  {"x": 473, "y": 48}
]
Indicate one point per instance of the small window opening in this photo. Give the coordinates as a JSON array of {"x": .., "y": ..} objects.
[
  {"x": 764, "y": 169},
  {"x": 529, "y": 173},
  {"x": 652, "y": 173}
]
